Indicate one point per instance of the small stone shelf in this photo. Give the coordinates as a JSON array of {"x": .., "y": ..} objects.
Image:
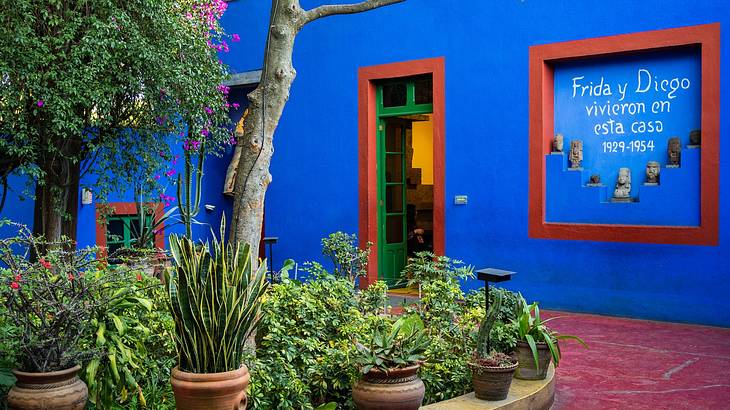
[{"x": 523, "y": 395}]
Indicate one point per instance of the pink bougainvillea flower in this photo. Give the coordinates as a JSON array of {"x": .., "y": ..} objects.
[
  {"x": 235, "y": 105},
  {"x": 157, "y": 177},
  {"x": 208, "y": 110},
  {"x": 14, "y": 285},
  {"x": 40, "y": 103},
  {"x": 232, "y": 141},
  {"x": 204, "y": 132},
  {"x": 235, "y": 38},
  {"x": 45, "y": 263},
  {"x": 170, "y": 173}
]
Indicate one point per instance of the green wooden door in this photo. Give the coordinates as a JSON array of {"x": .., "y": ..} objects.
[
  {"x": 392, "y": 199},
  {"x": 397, "y": 100}
]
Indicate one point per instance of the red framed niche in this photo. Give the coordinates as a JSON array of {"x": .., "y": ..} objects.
[
  {"x": 542, "y": 60},
  {"x": 126, "y": 208},
  {"x": 367, "y": 152}
]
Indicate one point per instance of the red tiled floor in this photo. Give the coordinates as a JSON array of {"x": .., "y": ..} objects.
[{"x": 637, "y": 364}]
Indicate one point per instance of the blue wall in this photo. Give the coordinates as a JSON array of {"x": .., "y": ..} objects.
[{"x": 485, "y": 45}]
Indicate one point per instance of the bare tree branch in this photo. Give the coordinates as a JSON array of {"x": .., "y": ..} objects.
[{"x": 332, "y": 9}]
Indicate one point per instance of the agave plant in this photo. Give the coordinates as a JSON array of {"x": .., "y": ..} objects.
[
  {"x": 531, "y": 329},
  {"x": 397, "y": 345},
  {"x": 215, "y": 293}
]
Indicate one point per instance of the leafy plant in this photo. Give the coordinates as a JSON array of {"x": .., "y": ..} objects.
[
  {"x": 51, "y": 301},
  {"x": 425, "y": 267},
  {"x": 305, "y": 355},
  {"x": 349, "y": 261},
  {"x": 215, "y": 302},
  {"x": 146, "y": 225},
  {"x": 392, "y": 346},
  {"x": 134, "y": 336},
  {"x": 374, "y": 299},
  {"x": 531, "y": 329}
]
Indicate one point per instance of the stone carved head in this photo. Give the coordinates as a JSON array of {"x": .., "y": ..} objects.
[
  {"x": 652, "y": 172},
  {"x": 674, "y": 151},
  {"x": 558, "y": 143},
  {"x": 695, "y": 137}
]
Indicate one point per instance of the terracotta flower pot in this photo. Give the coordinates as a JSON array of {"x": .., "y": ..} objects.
[
  {"x": 210, "y": 391},
  {"x": 491, "y": 383},
  {"x": 526, "y": 361},
  {"x": 399, "y": 389},
  {"x": 61, "y": 390}
]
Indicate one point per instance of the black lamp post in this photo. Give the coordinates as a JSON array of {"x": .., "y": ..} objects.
[
  {"x": 271, "y": 240},
  {"x": 495, "y": 276}
]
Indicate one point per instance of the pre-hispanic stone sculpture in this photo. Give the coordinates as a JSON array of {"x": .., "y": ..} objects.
[
  {"x": 576, "y": 153},
  {"x": 674, "y": 152},
  {"x": 595, "y": 180},
  {"x": 695, "y": 138},
  {"x": 652, "y": 173},
  {"x": 622, "y": 192},
  {"x": 558, "y": 143}
]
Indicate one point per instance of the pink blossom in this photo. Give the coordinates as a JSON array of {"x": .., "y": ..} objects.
[
  {"x": 205, "y": 132},
  {"x": 14, "y": 285},
  {"x": 167, "y": 204},
  {"x": 18, "y": 278},
  {"x": 235, "y": 38},
  {"x": 170, "y": 173},
  {"x": 232, "y": 141},
  {"x": 235, "y": 105},
  {"x": 40, "y": 103},
  {"x": 208, "y": 110},
  {"x": 157, "y": 177}
]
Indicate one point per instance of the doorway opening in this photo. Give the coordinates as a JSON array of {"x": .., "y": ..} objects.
[
  {"x": 405, "y": 173},
  {"x": 401, "y": 192}
]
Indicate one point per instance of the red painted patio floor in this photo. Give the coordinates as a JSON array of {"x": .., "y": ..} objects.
[{"x": 637, "y": 364}]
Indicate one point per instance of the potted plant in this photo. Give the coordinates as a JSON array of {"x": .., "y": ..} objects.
[
  {"x": 536, "y": 343},
  {"x": 389, "y": 363},
  {"x": 492, "y": 371},
  {"x": 51, "y": 301},
  {"x": 215, "y": 301}
]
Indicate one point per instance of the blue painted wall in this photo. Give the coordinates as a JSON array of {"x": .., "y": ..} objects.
[{"x": 485, "y": 45}]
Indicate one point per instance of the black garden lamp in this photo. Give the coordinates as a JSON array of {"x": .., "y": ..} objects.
[{"x": 271, "y": 240}]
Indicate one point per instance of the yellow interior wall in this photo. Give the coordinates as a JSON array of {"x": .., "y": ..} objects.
[{"x": 423, "y": 149}]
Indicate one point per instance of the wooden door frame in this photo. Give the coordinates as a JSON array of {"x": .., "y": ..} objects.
[{"x": 367, "y": 151}]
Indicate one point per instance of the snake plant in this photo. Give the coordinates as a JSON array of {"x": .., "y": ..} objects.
[{"x": 215, "y": 292}]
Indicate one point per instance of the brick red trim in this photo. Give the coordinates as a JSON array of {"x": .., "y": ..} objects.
[
  {"x": 367, "y": 153},
  {"x": 127, "y": 208},
  {"x": 707, "y": 37}
]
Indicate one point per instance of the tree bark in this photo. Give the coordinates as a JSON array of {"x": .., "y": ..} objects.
[
  {"x": 267, "y": 103},
  {"x": 56, "y": 200}
]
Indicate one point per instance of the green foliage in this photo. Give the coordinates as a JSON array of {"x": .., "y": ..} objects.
[
  {"x": 190, "y": 200},
  {"x": 78, "y": 76},
  {"x": 425, "y": 267},
  {"x": 349, "y": 261},
  {"x": 305, "y": 354},
  {"x": 9, "y": 346},
  {"x": 485, "y": 328},
  {"x": 50, "y": 302},
  {"x": 215, "y": 302},
  {"x": 145, "y": 225},
  {"x": 531, "y": 329},
  {"x": 134, "y": 336},
  {"x": 373, "y": 299},
  {"x": 393, "y": 345}
]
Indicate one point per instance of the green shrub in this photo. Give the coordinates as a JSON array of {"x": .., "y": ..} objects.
[
  {"x": 135, "y": 338},
  {"x": 373, "y": 300},
  {"x": 305, "y": 353}
]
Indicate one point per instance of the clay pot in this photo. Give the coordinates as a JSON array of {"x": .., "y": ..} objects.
[
  {"x": 491, "y": 383},
  {"x": 398, "y": 389},
  {"x": 61, "y": 390},
  {"x": 210, "y": 391},
  {"x": 526, "y": 361}
]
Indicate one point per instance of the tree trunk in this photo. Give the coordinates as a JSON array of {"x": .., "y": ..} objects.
[
  {"x": 56, "y": 201},
  {"x": 267, "y": 104}
]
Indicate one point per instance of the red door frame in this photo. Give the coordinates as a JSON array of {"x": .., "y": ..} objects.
[
  {"x": 367, "y": 151},
  {"x": 126, "y": 208},
  {"x": 543, "y": 57}
]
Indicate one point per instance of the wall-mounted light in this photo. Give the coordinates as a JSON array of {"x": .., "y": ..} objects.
[{"x": 210, "y": 208}]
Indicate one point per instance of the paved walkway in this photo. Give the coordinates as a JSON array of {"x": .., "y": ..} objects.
[{"x": 637, "y": 364}]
